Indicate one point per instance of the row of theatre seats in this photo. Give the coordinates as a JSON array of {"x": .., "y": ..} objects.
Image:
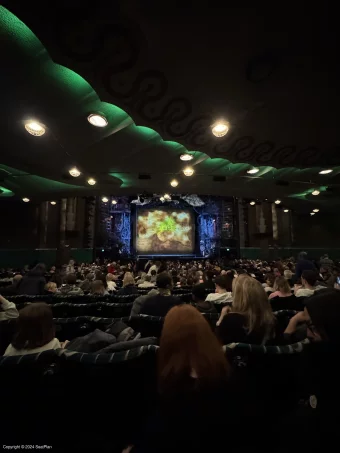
[
  {"x": 100, "y": 401},
  {"x": 55, "y": 397}
]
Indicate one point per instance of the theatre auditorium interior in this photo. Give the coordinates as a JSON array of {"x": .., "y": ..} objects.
[{"x": 169, "y": 226}]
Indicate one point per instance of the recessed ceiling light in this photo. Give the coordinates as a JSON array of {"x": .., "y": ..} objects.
[
  {"x": 316, "y": 192},
  {"x": 186, "y": 156},
  {"x": 25, "y": 200},
  {"x": 316, "y": 210},
  {"x": 286, "y": 210},
  {"x": 53, "y": 203},
  {"x": 105, "y": 199},
  {"x": 252, "y": 171},
  {"x": 325, "y": 172},
  {"x": 114, "y": 202},
  {"x": 188, "y": 171},
  {"x": 91, "y": 181},
  {"x": 174, "y": 183},
  {"x": 74, "y": 172},
  {"x": 97, "y": 120},
  {"x": 162, "y": 199},
  {"x": 312, "y": 213},
  {"x": 220, "y": 128},
  {"x": 252, "y": 203},
  {"x": 35, "y": 128},
  {"x": 277, "y": 201}
]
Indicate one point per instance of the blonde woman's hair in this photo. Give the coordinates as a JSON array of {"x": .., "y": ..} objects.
[
  {"x": 109, "y": 277},
  {"x": 250, "y": 300},
  {"x": 128, "y": 279},
  {"x": 50, "y": 285},
  {"x": 282, "y": 285}
]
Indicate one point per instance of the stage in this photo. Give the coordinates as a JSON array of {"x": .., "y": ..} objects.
[{"x": 186, "y": 227}]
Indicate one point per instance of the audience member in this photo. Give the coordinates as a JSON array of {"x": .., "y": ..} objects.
[
  {"x": 208, "y": 280},
  {"x": 111, "y": 285},
  {"x": 223, "y": 287},
  {"x": 51, "y": 288},
  {"x": 86, "y": 284},
  {"x": 98, "y": 288},
  {"x": 35, "y": 331},
  {"x": 153, "y": 276},
  {"x": 147, "y": 282},
  {"x": 308, "y": 280},
  {"x": 161, "y": 303},
  {"x": 198, "y": 296},
  {"x": 33, "y": 283},
  {"x": 8, "y": 310},
  {"x": 269, "y": 284},
  {"x": 193, "y": 382},
  {"x": 326, "y": 262},
  {"x": 70, "y": 287},
  {"x": 303, "y": 264},
  {"x": 128, "y": 285},
  {"x": 250, "y": 318},
  {"x": 13, "y": 289},
  {"x": 281, "y": 288}
]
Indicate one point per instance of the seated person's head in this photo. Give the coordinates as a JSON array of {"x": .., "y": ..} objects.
[
  {"x": 308, "y": 278},
  {"x": 97, "y": 287},
  {"x": 288, "y": 274},
  {"x": 223, "y": 283},
  {"x": 128, "y": 279},
  {"x": 282, "y": 285},
  {"x": 51, "y": 287},
  {"x": 35, "y": 326},
  {"x": 17, "y": 279},
  {"x": 183, "y": 281},
  {"x": 164, "y": 281},
  {"x": 153, "y": 273},
  {"x": 250, "y": 299},
  {"x": 270, "y": 279},
  {"x": 187, "y": 336},
  {"x": 147, "y": 278},
  {"x": 198, "y": 293},
  {"x": 322, "y": 314},
  {"x": 71, "y": 279},
  {"x": 109, "y": 277}
]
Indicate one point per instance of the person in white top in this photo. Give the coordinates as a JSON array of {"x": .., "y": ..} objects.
[
  {"x": 223, "y": 284},
  {"x": 111, "y": 285},
  {"x": 308, "y": 288},
  {"x": 154, "y": 267},
  {"x": 146, "y": 283},
  {"x": 8, "y": 310},
  {"x": 35, "y": 331}
]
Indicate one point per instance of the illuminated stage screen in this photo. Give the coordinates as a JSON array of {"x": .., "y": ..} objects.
[{"x": 165, "y": 231}]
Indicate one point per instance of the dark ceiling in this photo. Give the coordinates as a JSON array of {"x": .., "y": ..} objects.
[{"x": 162, "y": 73}]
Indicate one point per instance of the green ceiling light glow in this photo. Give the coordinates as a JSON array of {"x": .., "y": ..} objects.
[
  {"x": 4, "y": 192},
  {"x": 83, "y": 99}
]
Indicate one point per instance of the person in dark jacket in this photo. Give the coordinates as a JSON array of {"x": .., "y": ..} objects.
[
  {"x": 318, "y": 383},
  {"x": 303, "y": 264},
  {"x": 160, "y": 304},
  {"x": 128, "y": 285},
  {"x": 208, "y": 280},
  {"x": 34, "y": 282},
  {"x": 198, "y": 296}
]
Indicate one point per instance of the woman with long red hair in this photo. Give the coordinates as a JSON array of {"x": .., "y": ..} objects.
[
  {"x": 192, "y": 382},
  {"x": 190, "y": 356}
]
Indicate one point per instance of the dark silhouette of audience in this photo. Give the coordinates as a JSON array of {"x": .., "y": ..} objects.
[
  {"x": 161, "y": 303},
  {"x": 33, "y": 283}
]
